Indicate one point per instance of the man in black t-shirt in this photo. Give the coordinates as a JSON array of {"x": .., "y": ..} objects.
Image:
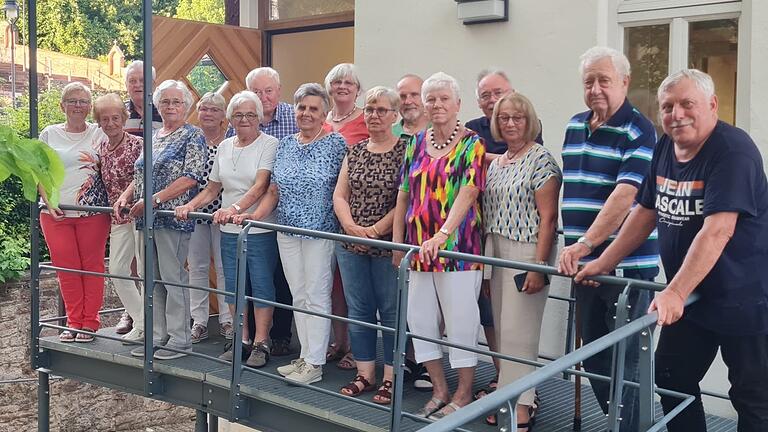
[{"x": 707, "y": 195}]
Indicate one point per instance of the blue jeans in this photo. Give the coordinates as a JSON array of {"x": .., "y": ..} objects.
[
  {"x": 597, "y": 320},
  {"x": 260, "y": 257},
  {"x": 370, "y": 285}
]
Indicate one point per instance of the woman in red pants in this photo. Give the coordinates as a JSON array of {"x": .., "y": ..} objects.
[{"x": 77, "y": 239}]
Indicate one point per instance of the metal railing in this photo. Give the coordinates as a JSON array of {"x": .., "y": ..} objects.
[{"x": 505, "y": 397}]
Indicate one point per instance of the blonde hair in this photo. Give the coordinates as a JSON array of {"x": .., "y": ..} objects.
[
  {"x": 522, "y": 104},
  {"x": 381, "y": 92},
  {"x": 109, "y": 100}
]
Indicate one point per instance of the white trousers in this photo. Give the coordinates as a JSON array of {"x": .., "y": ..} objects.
[
  {"x": 205, "y": 239},
  {"x": 122, "y": 251},
  {"x": 309, "y": 265},
  {"x": 455, "y": 295}
]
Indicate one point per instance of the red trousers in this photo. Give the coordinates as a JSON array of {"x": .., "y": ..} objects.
[{"x": 78, "y": 243}]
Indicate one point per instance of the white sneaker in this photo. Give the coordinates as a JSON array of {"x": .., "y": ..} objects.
[
  {"x": 135, "y": 335},
  {"x": 306, "y": 373},
  {"x": 291, "y": 367}
]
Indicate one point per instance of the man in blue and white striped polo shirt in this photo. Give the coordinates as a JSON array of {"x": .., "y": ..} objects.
[{"x": 606, "y": 154}]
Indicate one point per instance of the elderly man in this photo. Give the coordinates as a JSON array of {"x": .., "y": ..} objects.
[
  {"x": 134, "y": 84},
  {"x": 606, "y": 154},
  {"x": 492, "y": 84},
  {"x": 279, "y": 121},
  {"x": 414, "y": 118},
  {"x": 707, "y": 195}
]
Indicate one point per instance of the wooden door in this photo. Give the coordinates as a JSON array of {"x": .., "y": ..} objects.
[{"x": 179, "y": 45}]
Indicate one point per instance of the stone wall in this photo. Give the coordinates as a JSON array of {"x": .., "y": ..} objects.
[{"x": 75, "y": 406}]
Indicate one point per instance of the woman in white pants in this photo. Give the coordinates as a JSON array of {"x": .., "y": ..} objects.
[
  {"x": 205, "y": 240},
  {"x": 437, "y": 208},
  {"x": 118, "y": 151},
  {"x": 306, "y": 169}
]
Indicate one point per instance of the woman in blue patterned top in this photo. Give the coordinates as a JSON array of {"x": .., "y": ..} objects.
[
  {"x": 179, "y": 155},
  {"x": 304, "y": 177}
]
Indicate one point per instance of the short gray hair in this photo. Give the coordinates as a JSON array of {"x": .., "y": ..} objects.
[
  {"x": 212, "y": 98},
  {"x": 597, "y": 53},
  {"x": 312, "y": 89},
  {"x": 381, "y": 92},
  {"x": 177, "y": 85},
  {"x": 138, "y": 64},
  {"x": 439, "y": 81},
  {"x": 245, "y": 96},
  {"x": 261, "y": 71},
  {"x": 487, "y": 72},
  {"x": 702, "y": 81},
  {"x": 73, "y": 87},
  {"x": 340, "y": 71}
]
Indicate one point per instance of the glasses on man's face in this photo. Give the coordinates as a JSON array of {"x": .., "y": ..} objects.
[
  {"x": 516, "y": 119},
  {"x": 269, "y": 91},
  {"x": 212, "y": 110},
  {"x": 248, "y": 116},
  {"x": 171, "y": 102},
  {"x": 486, "y": 96},
  {"x": 380, "y": 111},
  {"x": 75, "y": 102}
]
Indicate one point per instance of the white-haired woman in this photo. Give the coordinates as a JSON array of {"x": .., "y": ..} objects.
[
  {"x": 77, "y": 239},
  {"x": 211, "y": 115},
  {"x": 118, "y": 152},
  {"x": 179, "y": 155},
  {"x": 242, "y": 170},
  {"x": 307, "y": 161},
  {"x": 438, "y": 209}
]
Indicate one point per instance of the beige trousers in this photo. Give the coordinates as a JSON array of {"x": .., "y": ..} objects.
[{"x": 517, "y": 315}]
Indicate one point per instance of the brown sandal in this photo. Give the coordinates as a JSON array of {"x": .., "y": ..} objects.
[
  {"x": 334, "y": 352},
  {"x": 383, "y": 395},
  {"x": 347, "y": 362},
  {"x": 352, "y": 389}
]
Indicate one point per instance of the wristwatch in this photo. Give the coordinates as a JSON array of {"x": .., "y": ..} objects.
[
  {"x": 445, "y": 231},
  {"x": 237, "y": 208},
  {"x": 583, "y": 240},
  {"x": 157, "y": 200}
]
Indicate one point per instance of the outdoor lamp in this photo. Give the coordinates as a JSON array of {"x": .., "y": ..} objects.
[{"x": 11, "y": 10}]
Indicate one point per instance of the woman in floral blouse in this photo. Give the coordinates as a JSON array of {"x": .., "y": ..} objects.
[
  {"x": 179, "y": 155},
  {"x": 438, "y": 209}
]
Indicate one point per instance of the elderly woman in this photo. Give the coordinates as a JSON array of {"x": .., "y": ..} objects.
[
  {"x": 118, "y": 151},
  {"x": 77, "y": 239},
  {"x": 438, "y": 209},
  {"x": 364, "y": 201},
  {"x": 205, "y": 239},
  {"x": 179, "y": 155},
  {"x": 307, "y": 161},
  {"x": 343, "y": 86},
  {"x": 520, "y": 213},
  {"x": 242, "y": 169}
]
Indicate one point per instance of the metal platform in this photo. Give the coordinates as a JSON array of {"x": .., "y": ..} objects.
[{"x": 274, "y": 405}]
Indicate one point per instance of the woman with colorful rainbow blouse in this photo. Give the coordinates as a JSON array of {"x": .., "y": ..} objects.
[{"x": 438, "y": 209}]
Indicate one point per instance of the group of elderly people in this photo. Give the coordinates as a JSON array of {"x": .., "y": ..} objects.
[{"x": 401, "y": 168}]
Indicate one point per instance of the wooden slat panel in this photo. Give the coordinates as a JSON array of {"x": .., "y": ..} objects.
[{"x": 179, "y": 44}]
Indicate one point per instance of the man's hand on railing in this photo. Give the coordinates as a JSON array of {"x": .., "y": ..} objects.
[
  {"x": 182, "y": 211},
  {"x": 669, "y": 303},
  {"x": 568, "y": 264},
  {"x": 592, "y": 268}
]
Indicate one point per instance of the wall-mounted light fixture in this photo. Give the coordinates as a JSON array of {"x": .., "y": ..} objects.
[{"x": 482, "y": 11}]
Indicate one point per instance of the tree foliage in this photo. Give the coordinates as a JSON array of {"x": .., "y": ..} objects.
[{"x": 211, "y": 11}]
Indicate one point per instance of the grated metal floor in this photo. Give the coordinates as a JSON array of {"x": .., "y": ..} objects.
[{"x": 555, "y": 414}]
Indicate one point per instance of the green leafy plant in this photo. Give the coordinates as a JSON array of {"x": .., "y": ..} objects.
[{"x": 33, "y": 162}]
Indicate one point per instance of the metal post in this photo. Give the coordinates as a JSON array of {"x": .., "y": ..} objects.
[
  {"x": 617, "y": 367},
  {"x": 13, "y": 63},
  {"x": 570, "y": 340},
  {"x": 213, "y": 423},
  {"x": 506, "y": 418},
  {"x": 577, "y": 378},
  {"x": 43, "y": 401},
  {"x": 400, "y": 341},
  {"x": 237, "y": 403},
  {"x": 33, "y": 90},
  {"x": 647, "y": 380},
  {"x": 201, "y": 421}
]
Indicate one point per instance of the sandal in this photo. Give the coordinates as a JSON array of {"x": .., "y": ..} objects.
[
  {"x": 352, "y": 389},
  {"x": 347, "y": 362},
  {"x": 427, "y": 410},
  {"x": 334, "y": 353},
  {"x": 410, "y": 370},
  {"x": 490, "y": 388},
  {"x": 66, "y": 336},
  {"x": 445, "y": 411},
  {"x": 383, "y": 395},
  {"x": 423, "y": 382},
  {"x": 85, "y": 338},
  {"x": 491, "y": 420}
]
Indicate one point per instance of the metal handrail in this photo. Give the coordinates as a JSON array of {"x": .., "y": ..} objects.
[{"x": 468, "y": 413}]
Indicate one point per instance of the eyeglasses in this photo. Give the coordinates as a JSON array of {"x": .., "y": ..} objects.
[
  {"x": 486, "y": 96},
  {"x": 381, "y": 112},
  {"x": 75, "y": 102},
  {"x": 266, "y": 92},
  {"x": 171, "y": 102},
  {"x": 203, "y": 109},
  {"x": 504, "y": 119},
  {"x": 249, "y": 116},
  {"x": 347, "y": 83}
]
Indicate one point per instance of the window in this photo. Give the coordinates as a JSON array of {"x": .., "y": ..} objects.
[{"x": 289, "y": 9}]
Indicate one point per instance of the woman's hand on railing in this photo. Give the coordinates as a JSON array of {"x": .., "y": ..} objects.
[
  {"x": 121, "y": 208},
  {"x": 534, "y": 282},
  {"x": 431, "y": 247},
  {"x": 182, "y": 211},
  {"x": 224, "y": 216},
  {"x": 397, "y": 257},
  {"x": 137, "y": 209},
  {"x": 669, "y": 303}
]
